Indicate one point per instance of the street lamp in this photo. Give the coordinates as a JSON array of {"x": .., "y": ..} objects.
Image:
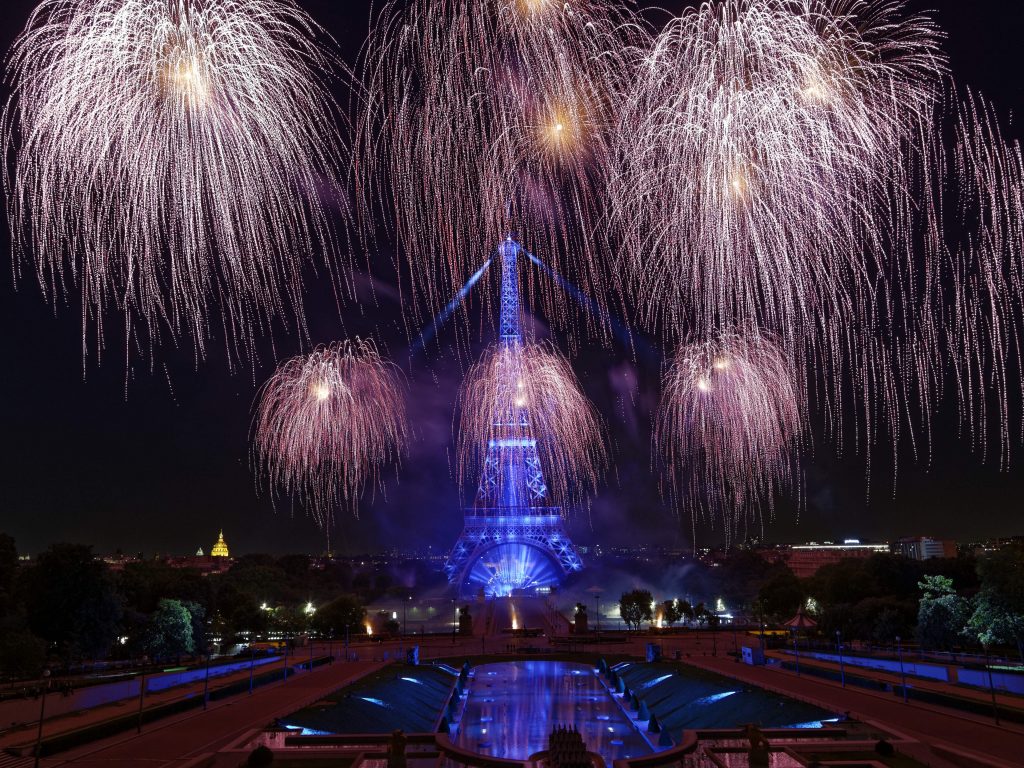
[
  {"x": 252, "y": 664},
  {"x": 760, "y": 611},
  {"x": 206, "y": 683},
  {"x": 796, "y": 653},
  {"x": 991, "y": 686},
  {"x": 903, "y": 676},
  {"x": 839, "y": 646},
  {"x": 455, "y": 621},
  {"x": 142, "y": 694},
  {"x": 42, "y": 711}
]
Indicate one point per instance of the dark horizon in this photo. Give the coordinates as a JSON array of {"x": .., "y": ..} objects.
[{"x": 165, "y": 468}]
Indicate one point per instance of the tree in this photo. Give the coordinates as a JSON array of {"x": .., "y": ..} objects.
[
  {"x": 71, "y": 601},
  {"x": 781, "y": 594},
  {"x": 685, "y": 610},
  {"x": 197, "y": 618},
  {"x": 22, "y": 654},
  {"x": 992, "y": 624},
  {"x": 670, "y": 612},
  {"x": 169, "y": 634},
  {"x": 882, "y": 619},
  {"x": 635, "y": 607},
  {"x": 295, "y": 566},
  {"x": 345, "y": 612},
  {"x": 941, "y": 613},
  {"x": 8, "y": 571},
  {"x": 700, "y": 613},
  {"x": 998, "y": 614}
]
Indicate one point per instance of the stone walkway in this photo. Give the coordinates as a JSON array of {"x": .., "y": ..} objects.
[{"x": 182, "y": 738}]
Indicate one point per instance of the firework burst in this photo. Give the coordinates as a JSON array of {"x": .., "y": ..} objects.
[
  {"x": 166, "y": 160},
  {"x": 482, "y": 117},
  {"x": 325, "y": 424},
  {"x": 984, "y": 277},
  {"x": 524, "y": 391},
  {"x": 729, "y": 428},
  {"x": 765, "y": 161}
]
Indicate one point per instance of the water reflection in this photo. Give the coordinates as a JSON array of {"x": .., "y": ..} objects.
[{"x": 513, "y": 706}]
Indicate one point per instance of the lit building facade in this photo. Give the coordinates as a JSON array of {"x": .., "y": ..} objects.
[
  {"x": 220, "y": 548},
  {"x": 925, "y": 547},
  {"x": 805, "y": 559}
]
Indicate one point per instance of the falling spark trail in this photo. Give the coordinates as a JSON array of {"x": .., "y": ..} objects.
[
  {"x": 521, "y": 391},
  {"x": 166, "y": 159},
  {"x": 325, "y": 423},
  {"x": 478, "y": 118},
  {"x": 729, "y": 429}
]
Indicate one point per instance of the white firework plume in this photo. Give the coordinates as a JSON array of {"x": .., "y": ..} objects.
[
  {"x": 527, "y": 391},
  {"x": 481, "y": 117},
  {"x": 325, "y": 424},
  {"x": 984, "y": 278},
  {"x": 167, "y": 156},
  {"x": 766, "y": 161},
  {"x": 729, "y": 428}
]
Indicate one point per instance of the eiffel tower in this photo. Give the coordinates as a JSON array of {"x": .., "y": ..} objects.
[{"x": 512, "y": 541}]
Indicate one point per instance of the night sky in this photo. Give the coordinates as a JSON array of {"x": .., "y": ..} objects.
[{"x": 156, "y": 459}]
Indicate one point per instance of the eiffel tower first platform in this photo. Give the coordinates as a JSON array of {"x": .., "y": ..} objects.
[{"x": 512, "y": 541}]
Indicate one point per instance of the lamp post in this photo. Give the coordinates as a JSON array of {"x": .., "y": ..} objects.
[
  {"x": 839, "y": 646},
  {"x": 760, "y": 611},
  {"x": 796, "y": 653},
  {"x": 142, "y": 693},
  {"x": 206, "y": 683},
  {"x": 991, "y": 686},
  {"x": 252, "y": 665},
  {"x": 401, "y": 644},
  {"x": 455, "y": 620},
  {"x": 903, "y": 676},
  {"x": 42, "y": 712}
]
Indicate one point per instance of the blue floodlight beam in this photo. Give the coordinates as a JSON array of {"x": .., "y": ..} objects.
[
  {"x": 624, "y": 334},
  {"x": 430, "y": 331}
]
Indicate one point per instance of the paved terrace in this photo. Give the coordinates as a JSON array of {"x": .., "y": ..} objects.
[{"x": 179, "y": 740}]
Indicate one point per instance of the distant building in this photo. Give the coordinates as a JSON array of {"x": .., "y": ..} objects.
[
  {"x": 925, "y": 547},
  {"x": 118, "y": 561},
  {"x": 805, "y": 559},
  {"x": 220, "y": 549},
  {"x": 218, "y": 561},
  {"x": 981, "y": 548}
]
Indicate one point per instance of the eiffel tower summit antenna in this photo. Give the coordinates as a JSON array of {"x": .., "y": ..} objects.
[{"x": 512, "y": 541}]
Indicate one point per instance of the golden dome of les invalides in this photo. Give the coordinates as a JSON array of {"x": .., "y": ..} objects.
[{"x": 220, "y": 549}]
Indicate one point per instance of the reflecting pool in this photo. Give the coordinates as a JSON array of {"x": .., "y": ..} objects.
[{"x": 513, "y": 706}]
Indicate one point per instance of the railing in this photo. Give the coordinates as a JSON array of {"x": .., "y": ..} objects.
[{"x": 687, "y": 746}]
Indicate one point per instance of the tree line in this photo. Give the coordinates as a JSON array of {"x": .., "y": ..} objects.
[
  {"x": 67, "y": 606},
  {"x": 943, "y": 604}
]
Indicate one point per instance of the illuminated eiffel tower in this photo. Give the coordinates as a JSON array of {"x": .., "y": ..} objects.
[{"x": 512, "y": 541}]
